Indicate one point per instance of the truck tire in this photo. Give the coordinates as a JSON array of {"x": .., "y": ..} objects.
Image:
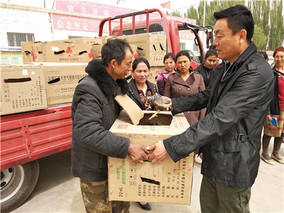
[{"x": 17, "y": 184}]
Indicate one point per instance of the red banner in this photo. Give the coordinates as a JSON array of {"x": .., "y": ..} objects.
[
  {"x": 73, "y": 23},
  {"x": 166, "y": 5}
]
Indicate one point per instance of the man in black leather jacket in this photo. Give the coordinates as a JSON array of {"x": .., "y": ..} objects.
[{"x": 229, "y": 135}]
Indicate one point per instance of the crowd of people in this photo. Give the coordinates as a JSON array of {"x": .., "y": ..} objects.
[{"x": 226, "y": 103}]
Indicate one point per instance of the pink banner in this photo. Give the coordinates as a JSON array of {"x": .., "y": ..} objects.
[{"x": 62, "y": 22}]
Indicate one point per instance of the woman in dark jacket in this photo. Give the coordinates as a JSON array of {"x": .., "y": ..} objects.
[
  {"x": 139, "y": 86},
  {"x": 185, "y": 82},
  {"x": 139, "y": 89},
  {"x": 276, "y": 111}
]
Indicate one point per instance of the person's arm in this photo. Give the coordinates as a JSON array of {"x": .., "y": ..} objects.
[
  {"x": 168, "y": 87},
  {"x": 90, "y": 132},
  {"x": 202, "y": 88},
  {"x": 192, "y": 102},
  {"x": 249, "y": 90}
]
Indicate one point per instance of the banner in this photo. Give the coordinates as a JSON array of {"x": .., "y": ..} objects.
[{"x": 166, "y": 5}]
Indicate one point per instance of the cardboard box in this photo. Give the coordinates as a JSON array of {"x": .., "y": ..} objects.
[
  {"x": 27, "y": 52},
  {"x": 61, "y": 80},
  {"x": 86, "y": 40},
  {"x": 97, "y": 48},
  {"x": 150, "y": 46},
  {"x": 63, "y": 52},
  {"x": 22, "y": 89},
  {"x": 44, "y": 51},
  {"x": 154, "y": 73},
  {"x": 167, "y": 182}
]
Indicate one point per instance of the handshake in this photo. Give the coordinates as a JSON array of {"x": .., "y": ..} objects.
[{"x": 156, "y": 153}]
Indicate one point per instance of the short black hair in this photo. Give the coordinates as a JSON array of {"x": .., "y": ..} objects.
[
  {"x": 139, "y": 60},
  {"x": 182, "y": 53},
  {"x": 114, "y": 49},
  {"x": 239, "y": 17},
  {"x": 211, "y": 52},
  {"x": 169, "y": 55}
]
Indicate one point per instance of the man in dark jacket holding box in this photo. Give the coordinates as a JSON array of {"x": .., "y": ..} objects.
[
  {"x": 94, "y": 110},
  {"x": 230, "y": 133}
]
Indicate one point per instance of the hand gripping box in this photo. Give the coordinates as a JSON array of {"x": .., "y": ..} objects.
[{"x": 167, "y": 182}]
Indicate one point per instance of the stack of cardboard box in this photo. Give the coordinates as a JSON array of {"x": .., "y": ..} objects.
[
  {"x": 153, "y": 48},
  {"x": 150, "y": 46},
  {"x": 49, "y": 75}
]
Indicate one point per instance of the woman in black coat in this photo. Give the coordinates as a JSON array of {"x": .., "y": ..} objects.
[{"x": 139, "y": 86}]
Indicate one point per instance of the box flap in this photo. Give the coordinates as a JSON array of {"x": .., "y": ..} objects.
[{"x": 132, "y": 109}]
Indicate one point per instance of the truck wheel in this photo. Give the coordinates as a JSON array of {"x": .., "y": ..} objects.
[{"x": 17, "y": 184}]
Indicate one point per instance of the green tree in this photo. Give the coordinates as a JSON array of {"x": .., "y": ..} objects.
[
  {"x": 268, "y": 16},
  {"x": 259, "y": 38},
  {"x": 176, "y": 13},
  {"x": 260, "y": 11},
  {"x": 191, "y": 13},
  {"x": 213, "y": 7},
  {"x": 276, "y": 35}
]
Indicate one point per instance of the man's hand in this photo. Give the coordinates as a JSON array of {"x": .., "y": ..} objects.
[
  {"x": 159, "y": 153},
  {"x": 138, "y": 153}
]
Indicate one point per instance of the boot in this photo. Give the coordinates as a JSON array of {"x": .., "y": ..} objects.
[
  {"x": 275, "y": 154},
  {"x": 265, "y": 144}
]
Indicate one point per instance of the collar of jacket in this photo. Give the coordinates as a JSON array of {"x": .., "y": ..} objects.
[
  {"x": 241, "y": 60},
  {"x": 189, "y": 81},
  {"x": 110, "y": 88}
]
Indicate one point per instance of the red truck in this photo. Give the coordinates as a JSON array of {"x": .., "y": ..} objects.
[{"x": 27, "y": 137}]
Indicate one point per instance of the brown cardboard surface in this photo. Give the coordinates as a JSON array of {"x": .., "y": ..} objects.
[
  {"x": 27, "y": 52},
  {"x": 150, "y": 46},
  {"x": 22, "y": 89},
  {"x": 133, "y": 110},
  {"x": 61, "y": 80},
  {"x": 154, "y": 73},
  {"x": 96, "y": 49},
  {"x": 85, "y": 40},
  {"x": 167, "y": 182},
  {"x": 75, "y": 50},
  {"x": 63, "y": 52}
]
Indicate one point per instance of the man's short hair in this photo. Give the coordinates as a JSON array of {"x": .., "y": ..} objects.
[
  {"x": 239, "y": 17},
  {"x": 114, "y": 49},
  {"x": 211, "y": 52}
]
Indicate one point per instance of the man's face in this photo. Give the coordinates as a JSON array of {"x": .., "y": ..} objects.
[
  {"x": 120, "y": 71},
  {"x": 210, "y": 61},
  {"x": 227, "y": 45}
]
